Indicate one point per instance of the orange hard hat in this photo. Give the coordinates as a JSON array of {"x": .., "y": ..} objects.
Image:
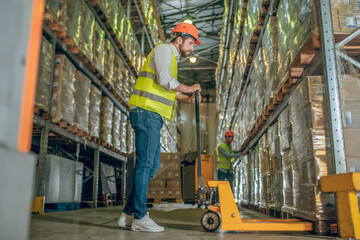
[
  {"x": 229, "y": 133},
  {"x": 188, "y": 29}
]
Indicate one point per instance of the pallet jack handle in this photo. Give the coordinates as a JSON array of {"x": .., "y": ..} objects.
[{"x": 201, "y": 183}]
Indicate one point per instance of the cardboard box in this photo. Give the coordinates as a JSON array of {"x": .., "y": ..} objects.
[
  {"x": 173, "y": 183},
  {"x": 316, "y": 88},
  {"x": 349, "y": 88},
  {"x": 351, "y": 139},
  {"x": 169, "y": 157},
  {"x": 175, "y": 193},
  {"x": 353, "y": 164},
  {"x": 156, "y": 183},
  {"x": 351, "y": 114}
]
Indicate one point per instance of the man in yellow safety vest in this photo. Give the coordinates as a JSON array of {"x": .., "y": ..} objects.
[
  {"x": 226, "y": 158},
  {"x": 153, "y": 99}
]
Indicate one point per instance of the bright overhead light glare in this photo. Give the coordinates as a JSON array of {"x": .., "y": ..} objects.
[
  {"x": 193, "y": 59},
  {"x": 188, "y": 21}
]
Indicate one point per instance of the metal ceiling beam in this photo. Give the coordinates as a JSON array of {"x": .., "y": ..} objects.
[{"x": 208, "y": 60}]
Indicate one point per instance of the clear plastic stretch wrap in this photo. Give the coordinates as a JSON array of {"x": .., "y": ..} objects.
[
  {"x": 131, "y": 141},
  {"x": 121, "y": 17},
  {"x": 285, "y": 132},
  {"x": 113, "y": 12},
  {"x": 345, "y": 16},
  {"x": 42, "y": 97},
  {"x": 87, "y": 31},
  {"x": 310, "y": 150},
  {"x": 255, "y": 194},
  {"x": 264, "y": 171},
  {"x": 98, "y": 48},
  {"x": 128, "y": 38},
  {"x": 244, "y": 181},
  {"x": 54, "y": 7},
  {"x": 82, "y": 101},
  {"x": 94, "y": 112},
  {"x": 259, "y": 83},
  {"x": 107, "y": 107},
  {"x": 123, "y": 133},
  {"x": 349, "y": 84},
  {"x": 269, "y": 53},
  {"x": 116, "y": 119},
  {"x": 295, "y": 25},
  {"x": 275, "y": 188},
  {"x": 63, "y": 101},
  {"x": 125, "y": 91},
  {"x": 235, "y": 32},
  {"x": 109, "y": 55},
  {"x": 118, "y": 70},
  {"x": 70, "y": 19},
  {"x": 130, "y": 86}
]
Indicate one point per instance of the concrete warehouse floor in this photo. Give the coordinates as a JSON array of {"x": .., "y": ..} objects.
[{"x": 181, "y": 222}]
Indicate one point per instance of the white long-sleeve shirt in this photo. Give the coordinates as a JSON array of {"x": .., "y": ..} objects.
[{"x": 160, "y": 61}]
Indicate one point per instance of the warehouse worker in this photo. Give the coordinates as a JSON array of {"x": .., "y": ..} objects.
[
  {"x": 226, "y": 158},
  {"x": 153, "y": 100}
]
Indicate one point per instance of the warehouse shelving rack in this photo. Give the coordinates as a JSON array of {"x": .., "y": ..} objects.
[{"x": 324, "y": 60}]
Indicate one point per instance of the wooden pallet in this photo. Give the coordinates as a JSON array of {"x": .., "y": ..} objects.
[
  {"x": 40, "y": 112},
  {"x": 158, "y": 200}
]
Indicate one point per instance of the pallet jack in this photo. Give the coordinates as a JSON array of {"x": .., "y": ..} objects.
[{"x": 227, "y": 214}]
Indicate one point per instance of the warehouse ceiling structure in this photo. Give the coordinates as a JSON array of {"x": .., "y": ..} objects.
[{"x": 207, "y": 17}]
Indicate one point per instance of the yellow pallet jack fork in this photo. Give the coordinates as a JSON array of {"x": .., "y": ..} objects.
[{"x": 230, "y": 218}]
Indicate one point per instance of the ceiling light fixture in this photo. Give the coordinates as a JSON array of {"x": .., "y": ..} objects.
[
  {"x": 193, "y": 59},
  {"x": 188, "y": 20}
]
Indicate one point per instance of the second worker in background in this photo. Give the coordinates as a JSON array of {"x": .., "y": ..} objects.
[
  {"x": 225, "y": 159},
  {"x": 153, "y": 100}
]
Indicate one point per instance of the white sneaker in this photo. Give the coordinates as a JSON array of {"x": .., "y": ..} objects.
[
  {"x": 125, "y": 220},
  {"x": 146, "y": 224}
]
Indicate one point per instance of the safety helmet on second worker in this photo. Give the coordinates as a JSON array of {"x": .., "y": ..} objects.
[
  {"x": 188, "y": 30},
  {"x": 229, "y": 134}
]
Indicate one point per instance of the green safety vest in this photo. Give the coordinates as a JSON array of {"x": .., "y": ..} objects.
[
  {"x": 222, "y": 161},
  {"x": 150, "y": 95}
]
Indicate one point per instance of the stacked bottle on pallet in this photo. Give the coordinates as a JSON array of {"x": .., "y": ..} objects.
[
  {"x": 166, "y": 184},
  {"x": 282, "y": 169}
]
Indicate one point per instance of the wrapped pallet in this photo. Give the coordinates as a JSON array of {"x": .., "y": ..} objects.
[
  {"x": 118, "y": 75},
  {"x": 258, "y": 79},
  {"x": 264, "y": 172},
  {"x": 123, "y": 133},
  {"x": 285, "y": 132},
  {"x": 70, "y": 20},
  {"x": 345, "y": 16},
  {"x": 98, "y": 48},
  {"x": 42, "y": 97},
  {"x": 276, "y": 194},
  {"x": 109, "y": 55},
  {"x": 349, "y": 85},
  {"x": 94, "y": 112},
  {"x": 82, "y": 102},
  {"x": 113, "y": 12},
  {"x": 63, "y": 93},
  {"x": 309, "y": 147},
  {"x": 121, "y": 17},
  {"x": 107, "y": 107},
  {"x": 131, "y": 141},
  {"x": 54, "y": 7},
  {"x": 269, "y": 53},
  {"x": 116, "y": 127},
  {"x": 296, "y": 24},
  {"x": 87, "y": 25}
]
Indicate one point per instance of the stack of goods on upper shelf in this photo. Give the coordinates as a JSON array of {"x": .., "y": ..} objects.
[
  {"x": 167, "y": 181},
  {"x": 77, "y": 104},
  {"x": 345, "y": 16},
  {"x": 150, "y": 20},
  {"x": 79, "y": 29}
]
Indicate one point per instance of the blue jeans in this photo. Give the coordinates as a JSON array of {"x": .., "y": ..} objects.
[{"x": 147, "y": 126}]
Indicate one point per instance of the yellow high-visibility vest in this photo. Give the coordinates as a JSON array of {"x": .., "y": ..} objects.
[
  {"x": 150, "y": 95},
  {"x": 223, "y": 162}
]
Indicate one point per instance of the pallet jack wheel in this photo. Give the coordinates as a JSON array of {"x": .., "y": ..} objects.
[{"x": 210, "y": 221}]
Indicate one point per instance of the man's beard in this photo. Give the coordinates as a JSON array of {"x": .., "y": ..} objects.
[{"x": 183, "y": 53}]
